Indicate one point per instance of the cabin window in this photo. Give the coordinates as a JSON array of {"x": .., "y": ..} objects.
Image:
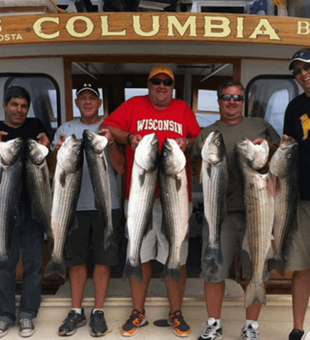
[
  {"x": 76, "y": 111},
  {"x": 206, "y": 107},
  {"x": 44, "y": 94},
  {"x": 268, "y": 96}
]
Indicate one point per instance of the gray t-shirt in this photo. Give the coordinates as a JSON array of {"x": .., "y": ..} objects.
[
  {"x": 251, "y": 128},
  {"x": 86, "y": 199}
]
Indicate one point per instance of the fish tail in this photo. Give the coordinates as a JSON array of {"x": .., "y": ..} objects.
[
  {"x": 56, "y": 266},
  {"x": 172, "y": 273},
  {"x": 214, "y": 253},
  {"x": 255, "y": 292},
  {"x": 133, "y": 271},
  {"x": 109, "y": 241}
]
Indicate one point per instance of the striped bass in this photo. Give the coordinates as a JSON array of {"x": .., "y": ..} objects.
[
  {"x": 259, "y": 212},
  {"x": 141, "y": 200},
  {"x": 174, "y": 200},
  {"x": 66, "y": 190},
  {"x": 214, "y": 178},
  {"x": 94, "y": 146},
  {"x": 11, "y": 167},
  {"x": 38, "y": 185},
  {"x": 283, "y": 166}
]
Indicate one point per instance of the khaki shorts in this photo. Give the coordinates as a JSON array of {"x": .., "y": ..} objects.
[
  {"x": 298, "y": 249},
  {"x": 232, "y": 234},
  {"x": 155, "y": 245}
]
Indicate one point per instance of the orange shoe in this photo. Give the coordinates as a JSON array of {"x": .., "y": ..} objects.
[
  {"x": 181, "y": 328},
  {"x": 136, "y": 320}
]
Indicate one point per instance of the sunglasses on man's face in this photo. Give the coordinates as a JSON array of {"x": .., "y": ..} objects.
[
  {"x": 297, "y": 71},
  {"x": 157, "y": 81},
  {"x": 235, "y": 97}
]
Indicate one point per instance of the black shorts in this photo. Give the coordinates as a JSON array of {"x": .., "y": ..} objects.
[{"x": 86, "y": 241}]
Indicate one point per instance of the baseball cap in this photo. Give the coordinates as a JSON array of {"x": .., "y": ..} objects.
[
  {"x": 161, "y": 69},
  {"x": 301, "y": 55},
  {"x": 89, "y": 87}
]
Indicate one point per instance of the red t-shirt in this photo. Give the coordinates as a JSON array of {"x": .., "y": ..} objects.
[{"x": 138, "y": 116}]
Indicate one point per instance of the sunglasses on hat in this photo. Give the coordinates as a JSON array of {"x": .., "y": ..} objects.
[
  {"x": 235, "y": 97},
  {"x": 157, "y": 81}
]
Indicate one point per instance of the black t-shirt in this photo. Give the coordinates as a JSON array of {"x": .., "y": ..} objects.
[
  {"x": 297, "y": 125},
  {"x": 30, "y": 129}
]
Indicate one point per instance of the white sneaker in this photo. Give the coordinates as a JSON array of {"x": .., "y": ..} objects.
[
  {"x": 26, "y": 328},
  {"x": 251, "y": 332},
  {"x": 213, "y": 331}
]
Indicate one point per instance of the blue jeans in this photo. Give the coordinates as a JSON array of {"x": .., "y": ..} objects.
[{"x": 28, "y": 235}]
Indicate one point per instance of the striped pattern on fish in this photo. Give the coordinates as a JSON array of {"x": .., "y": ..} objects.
[
  {"x": 141, "y": 200},
  {"x": 94, "y": 146},
  {"x": 66, "y": 190},
  {"x": 283, "y": 166},
  {"x": 174, "y": 200},
  {"x": 11, "y": 167},
  {"x": 38, "y": 184},
  {"x": 214, "y": 178},
  {"x": 259, "y": 211}
]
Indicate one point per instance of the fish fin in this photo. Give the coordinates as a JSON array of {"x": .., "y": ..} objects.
[
  {"x": 245, "y": 244},
  {"x": 133, "y": 271},
  {"x": 55, "y": 266},
  {"x": 62, "y": 179},
  {"x": 104, "y": 162},
  {"x": 172, "y": 273},
  {"x": 1, "y": 171},
  {"x": 142, "y": 178},
  {"x": 178, "y": 183},
  {"x": 214, "y": 253},
  {"x": 255, "y": 292},
  {"x": 209, "y": 169},
  {"x": 74, "y": 225}
]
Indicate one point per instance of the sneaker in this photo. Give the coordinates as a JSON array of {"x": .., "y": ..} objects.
[
  {"x": 26, "y": 327},
  {"x": 296, "y": 334},
  {"x": 251, "y": 332},
  {"x": 97, "y": 323},
  {"x": 136, "y": 320},
  {"x": 213, "y": 331},
  {"x": 4, "y": 327},
  {"x": 71, "y": 323},
  {"x": 181, "y": 328}
]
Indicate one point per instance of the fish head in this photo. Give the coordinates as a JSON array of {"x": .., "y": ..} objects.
[
  {"x": 146, "y": 153},
  {"x": 94, "y": 141},
  {"x": 36, "y": 152},
  {"x": 255, "y": 155},
  {"x": 213, "y": 150},
  {"x": 11, "y": 150},
  {"x": 70, "y": 154},
  {"x": 172, "y": 159},
  {"x": 284, "y": 161}
]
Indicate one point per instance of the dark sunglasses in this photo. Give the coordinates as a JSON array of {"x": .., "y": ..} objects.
[
  {"x": 166, "y": 82},
  {"x": 297, "y": 71},
  {"x": 235, "y": 97}
]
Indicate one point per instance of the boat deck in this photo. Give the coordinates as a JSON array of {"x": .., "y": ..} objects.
[{"x": 275, "y": 321}]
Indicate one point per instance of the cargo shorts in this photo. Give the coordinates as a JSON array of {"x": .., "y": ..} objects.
[
  {"x": 155, "y": 246},
  {"x": 86, "y": 241},
  {"x": 298, "y": 243},
  {"x": 231, "y": 235}
]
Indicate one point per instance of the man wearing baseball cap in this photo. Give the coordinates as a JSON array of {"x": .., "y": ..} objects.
[
  {"x": 85, "y": 239},
  {"x": 296, "y": 125},
  {"x": 158, "y": 112}
]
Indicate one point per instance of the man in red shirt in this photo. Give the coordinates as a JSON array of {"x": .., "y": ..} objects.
[{"x": 157, "y": 113}]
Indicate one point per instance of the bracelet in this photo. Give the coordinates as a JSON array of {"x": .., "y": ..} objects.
[{"x": 128, "y": 138}]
